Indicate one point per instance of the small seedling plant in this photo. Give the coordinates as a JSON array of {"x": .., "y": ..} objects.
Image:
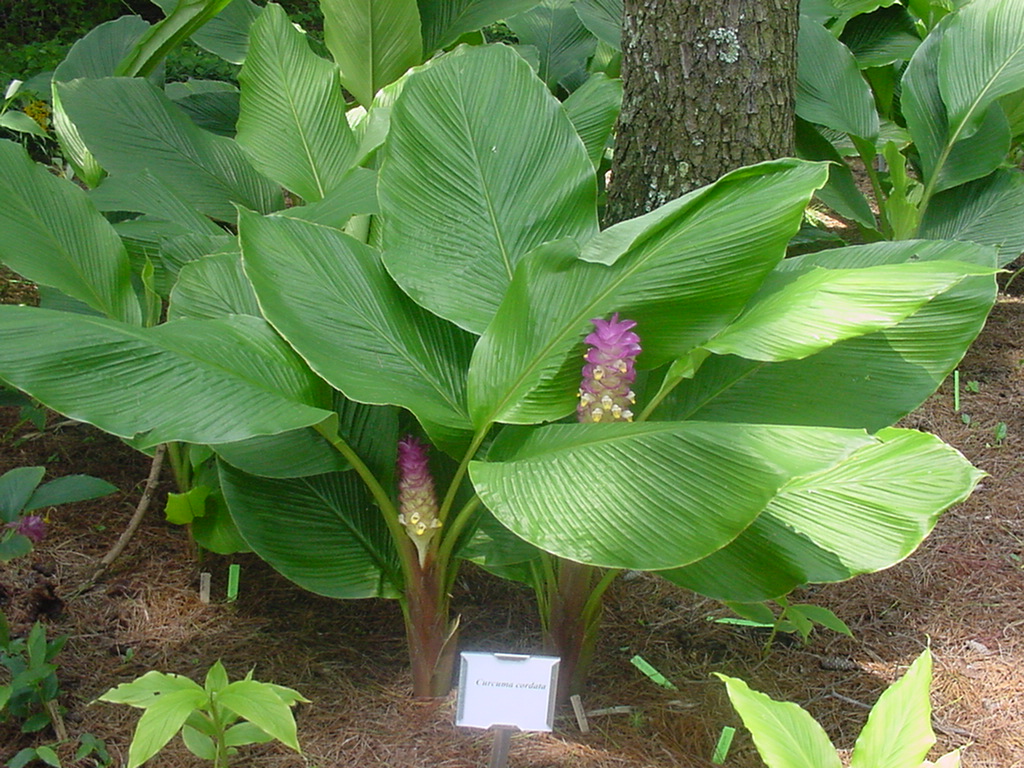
[
  {"x": 22, "y": 494},
  {"x": 33, "y": 690},
  {"x": 898, "y": 731},
  {"x": 214, "y": 719}
]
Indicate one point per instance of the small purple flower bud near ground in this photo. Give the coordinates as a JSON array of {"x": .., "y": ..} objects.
[
  {"x": 606, "y": 393},
  {"x": 31, "y": 526},
  {"x": 417, "y": 501}
]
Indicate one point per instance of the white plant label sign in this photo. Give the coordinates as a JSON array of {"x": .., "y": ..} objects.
[{"x": 507, "y": 689}]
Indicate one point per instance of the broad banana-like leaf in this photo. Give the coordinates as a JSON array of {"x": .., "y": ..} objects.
[
  {"x": 51, "y": 234},
  {"x": 215, "y": 109},
  {"x": 160, "y": 39},
  {"x": 131, "y": 126},
  {"x": 355, "y": 194},
  {"x": 786, "y": 735},
  {"x": 331, "y": 298},
  {"x": 144, "y": 193},
  {"x": 292, "y": 124},
  {"x": 372, "y": 41},
  {"x": 227, "y": 34},
  {"x": 865, "y": 513},
  {"x": 989, "y": 211},
  {"x": 212, "y": 287},
  {"x": 370, "y": 430},
  {"x": 647, "y": 496},
  {"x": 899, "y": 729},
  {"x": 481, "y": 166},
  {"x": 95, "y": 55},
  {"x": 593, "y": 109},
  {"x": 445, "y": 21},
  {"x": 561, "y": 40},
  {"x": 885, "y": 36},
  {"x": 322, "y": 532},
  {"x": 799, "y": 313},
  {"x": 237, "y": 376},
  {"x": 829, "y": 88},
  {"x": 683, "y": 272},
  {"x": 980, "y": 59},
  {"x": 950, "y": 155},
  {"x": 869, "y": 381},
  {"x": 176, "y": 252},
  {"x": 603, "y": 18}
]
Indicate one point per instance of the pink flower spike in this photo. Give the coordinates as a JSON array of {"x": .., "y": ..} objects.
[
  {"x": 417, "y": 500},
  {"x": 606, "y": 392}
]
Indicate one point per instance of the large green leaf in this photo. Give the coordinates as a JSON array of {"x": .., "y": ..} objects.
[
  {"x": 152, "y": 48},
  {"x": 683, "y": 272},
  {"x": 950, "y": 155},
  {"x": 981, "y": 58},
  {"x": 481, "y": 167},
  {"x": 829, "y": 88},
  {"x": 989, "y": 211},
  {"x": 370, "y": 430},
  {"x": 798, "y": 313},
  {"x": 331, "y": 298},
  {"x": 236, "y": 376},
  {"x": 292, "y": 124},
  {"x": 323, "y": 532},
  {"x": 373, "y": 42},
  {"x": 144, "y": 193},
  {"x": 131, "y": 126},
  {"x": 867, "y": 512},
  {"x": 68, "y": 489},
  {"x": 445, "y": 21},
  {"x": 95, "y": 55},
  {"x": 212, "y": 287},
  {"x": 785, "y": 735},
  {"x": 51, "y": 234},
  {"x": 562, "y": 41},
  {"x": 603, "y": 18},
  {"x": 868, "y": 381},
  {"x": 647, "y": 496},
  {"x": 899, "y": 732},
  {"x": 882, "y": 37},
  {"x": 593, "y": 109},
  {"x": 260, "y": 705},
  {"x": 227, "y": 34}
]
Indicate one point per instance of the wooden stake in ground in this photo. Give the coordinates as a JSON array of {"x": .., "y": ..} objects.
[{"x": 140, "y": 512}]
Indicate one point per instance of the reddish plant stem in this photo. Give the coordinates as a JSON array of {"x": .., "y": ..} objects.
[
  {"x": 571, "y": 633},
  {"x": 431, "y": 636}
]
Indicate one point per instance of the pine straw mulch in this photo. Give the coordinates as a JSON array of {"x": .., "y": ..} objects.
[{"x": 962, "y": 594}]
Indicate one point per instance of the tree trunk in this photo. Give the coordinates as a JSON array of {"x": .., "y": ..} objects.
[{"x": 708, "y": 87}]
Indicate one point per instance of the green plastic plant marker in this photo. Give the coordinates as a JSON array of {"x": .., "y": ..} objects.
[
  {"x": 233, "y": 572},
  {"x": 722, "y": 747},
  {"x": 644, "y": 666}
]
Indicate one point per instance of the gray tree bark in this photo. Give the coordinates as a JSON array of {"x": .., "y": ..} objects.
[{"x": 708, "y": 87}]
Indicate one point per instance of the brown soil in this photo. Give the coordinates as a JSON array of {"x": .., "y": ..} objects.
[{"x": 962, "y": 594}]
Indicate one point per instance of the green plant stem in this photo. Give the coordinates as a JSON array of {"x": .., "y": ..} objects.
[
  {"x": 867, "y": 153},
  {"x": 452, "y": 533},
  {"x": 460, "y": 473},
  {"x": 177, "y": 457}
]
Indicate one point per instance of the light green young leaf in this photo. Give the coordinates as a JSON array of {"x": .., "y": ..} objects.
[
  {"x": 151, "y": 49},
  {"x": 263, "y": 707},
  {"x": 164, "y": 717},
  {"x": 785, "y": 735},
  {"x": 292, "y": 122},
  {"x": 819, "y": 614},
  {"x": 144, "y": 691},
  {"x": 51, "y": 234},
  {"x": 200, "y": 745},
  {"x": 899, "y": 729},
  {"x": 244, "y": 733},
  {"x": 372, "y": 41},
  {"x": 216, "y": 678}
]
